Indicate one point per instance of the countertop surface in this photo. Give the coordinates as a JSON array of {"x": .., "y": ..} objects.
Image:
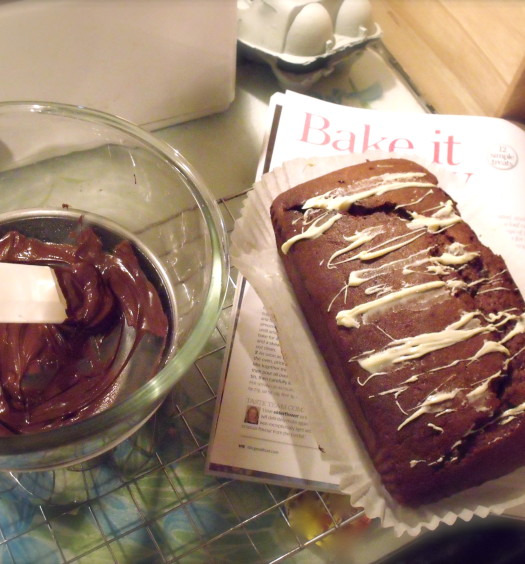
[{"x": 149, "y": 500}]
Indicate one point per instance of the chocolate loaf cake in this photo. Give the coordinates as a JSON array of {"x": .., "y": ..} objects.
[{"x": 421, "y": 326}]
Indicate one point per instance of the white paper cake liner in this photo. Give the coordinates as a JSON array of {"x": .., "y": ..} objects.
[{"x": 254, "y": 253}]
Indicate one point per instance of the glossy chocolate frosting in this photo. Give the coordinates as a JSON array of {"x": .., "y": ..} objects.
[{"x": 53, "y": 375}]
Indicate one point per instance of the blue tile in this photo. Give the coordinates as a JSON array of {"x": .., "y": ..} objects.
[
  {"x": 136, "y": 547},
  {"x": 17, "y": 514},
  {"x": 175, "y": 534},
  {"x": 76, "y": 531},
  {"x": 116, "y": 513},
  {"x": 5, "y": 555},
  {"x": 189, "y": 479},
  {"x": 154, "y": 494},
  {"x": 213, "y": 514},
  {"x": 37, "y": 546}
]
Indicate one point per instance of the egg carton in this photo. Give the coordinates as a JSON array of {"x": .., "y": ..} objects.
[{"x": 303, "y": 40}]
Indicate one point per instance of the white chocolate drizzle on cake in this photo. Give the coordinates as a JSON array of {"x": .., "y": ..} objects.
[
  {"x": 430, "y": 405},
  {"x": 348, "y": 317},
  {"x": 436, "y": 427},
  {"x": 511, "y": 413},
  {"x": 356, "y": 240},
  {"x": 384, "y": 249},
  {"x": 315, "y": 230},
  {"x": 417, "y": 346},
  {"x": 443, "y": 217},
  {"x": 456, "y": 254},
  {"x": 480, "y": 390},
  {"x": 375, "y": 186},
  {"x": 440, "y": 275}
]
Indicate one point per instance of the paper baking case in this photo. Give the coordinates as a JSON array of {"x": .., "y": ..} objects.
[{"x": 254, "y": 253}]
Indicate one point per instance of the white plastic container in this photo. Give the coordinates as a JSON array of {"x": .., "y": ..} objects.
[
  {"x": 154, "y": 62},
  {"x": 304, "y": 40}
]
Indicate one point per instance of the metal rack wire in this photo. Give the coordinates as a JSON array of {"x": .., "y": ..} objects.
[{"x": 149, "y": 500}]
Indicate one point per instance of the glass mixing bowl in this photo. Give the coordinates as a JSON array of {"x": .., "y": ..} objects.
[{"x": 61, "y": 164}]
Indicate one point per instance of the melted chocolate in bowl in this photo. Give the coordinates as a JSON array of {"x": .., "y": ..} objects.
[{"x": 119, "y": 330}]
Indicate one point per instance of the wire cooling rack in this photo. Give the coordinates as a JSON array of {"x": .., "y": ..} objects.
[{"x": 149, "y": 500}]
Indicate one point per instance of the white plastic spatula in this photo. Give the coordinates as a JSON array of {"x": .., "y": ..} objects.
[{"x": 30, "y": 294}]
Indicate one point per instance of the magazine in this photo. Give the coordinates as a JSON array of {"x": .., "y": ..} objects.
[
  {"x": 486, "y": 157},
  {"x": 261, "y": 431}
]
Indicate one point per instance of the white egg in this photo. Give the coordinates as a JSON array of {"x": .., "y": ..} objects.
[
  {"x": 310, "y": 33},
  {"x": 354, "y": 18}
]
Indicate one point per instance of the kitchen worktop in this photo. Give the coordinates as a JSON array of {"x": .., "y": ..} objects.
[{"x": 149, "y": 500}]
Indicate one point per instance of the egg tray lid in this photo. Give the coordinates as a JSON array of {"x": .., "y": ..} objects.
[{"x": 304, "y": 36}]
